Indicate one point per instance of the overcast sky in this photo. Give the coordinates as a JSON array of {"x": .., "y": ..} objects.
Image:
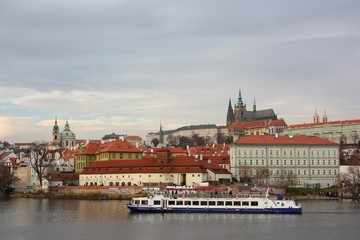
[{"x": 125, "y": 65}]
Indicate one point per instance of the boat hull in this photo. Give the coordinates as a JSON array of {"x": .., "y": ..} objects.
[{"x": 136, "y": 209}]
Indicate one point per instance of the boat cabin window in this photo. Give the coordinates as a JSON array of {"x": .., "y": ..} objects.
[
  {"x": 144, "y": 202},
  {"x": 157, "y": 202},
  {"x": 254, "y": 203},
  {"x": 172, "y": 202},
  {"x": 195, "y": 203},
  {"x": 245, "y": 203},
  {"x": 211, "y": 203},
  {"x": 179, "y": 203},
  {"x": 137, "y": 201},
  {"x": 237, "y": 203},
  {"x": 203, "y": 203},
  {"x": 228, "y": 203},
  {"x": 220, "y": 203},
  {"x": 187, "y": 203}
]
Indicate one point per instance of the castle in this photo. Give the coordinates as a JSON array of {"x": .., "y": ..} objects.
[{"x": 240, "y": 114}]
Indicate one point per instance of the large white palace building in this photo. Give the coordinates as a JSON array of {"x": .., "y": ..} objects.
[{"x": 290, "y": 160}]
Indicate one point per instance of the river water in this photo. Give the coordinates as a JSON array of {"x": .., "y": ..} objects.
[{"x": 85, "y": 219}]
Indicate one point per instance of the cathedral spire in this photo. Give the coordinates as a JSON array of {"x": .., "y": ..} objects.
[
  {"x": 240, "y": 101},
  {"x": 254, "y": 107},
  {"x": 230, "y": 119},
  {"x": 161, "y": 135}
]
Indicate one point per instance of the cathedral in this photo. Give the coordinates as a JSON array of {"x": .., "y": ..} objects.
[
  {"x": 240, "y": 114},
  {"x": 65, "y": 138}
]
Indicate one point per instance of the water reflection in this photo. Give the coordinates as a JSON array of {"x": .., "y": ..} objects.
[{"x": 80, "y": 219}]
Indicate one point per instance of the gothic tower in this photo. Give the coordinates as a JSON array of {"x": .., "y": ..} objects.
[
  {"x": 230, "y": 115},
  {"x": 239, "y": 109},
  {"x": 56, "y": 133},
  {"x": 161, "y": 136}
]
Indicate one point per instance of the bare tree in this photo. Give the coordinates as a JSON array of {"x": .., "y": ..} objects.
[
  {"x": 245, "y": 171},
  {"x": 38, "y": 162},
  {"x": 354, "y": 137},
  {"x": 155, "y": 142},
  {"x": 262, "y": 173},
  {"x": 7, "y": 179},
  {"x": 172, "y": 140},
  {"x": 353, "y": 177}
]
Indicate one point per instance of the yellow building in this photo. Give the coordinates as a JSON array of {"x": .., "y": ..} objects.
[{"x": 118, "y": 149}]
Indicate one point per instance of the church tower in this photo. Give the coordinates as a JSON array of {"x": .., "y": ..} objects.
[
  {"x": 254, "y": 107},
  {"x": 325, "y": 117},
  {"x": 56, "y": 133},
  {"x": 316, "y": 117},
  {"x": 239, "y": 109},
  {"x": 161, "y": 136},
  {"x": 230, "y": 115}
]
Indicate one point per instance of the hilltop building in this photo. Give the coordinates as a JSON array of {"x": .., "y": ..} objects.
[
  {"x": 209, "y": 131},
  {"x": 241, "y": 114},
  {"x": 346, "y": 131}
]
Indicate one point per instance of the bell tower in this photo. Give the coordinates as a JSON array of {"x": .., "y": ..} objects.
[{"x": 56, "y": 133}]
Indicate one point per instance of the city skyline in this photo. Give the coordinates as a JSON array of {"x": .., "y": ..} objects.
[{"x": 124, "y": 66}]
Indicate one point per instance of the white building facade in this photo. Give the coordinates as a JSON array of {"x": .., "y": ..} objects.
[{"x": 290, "y": 160}]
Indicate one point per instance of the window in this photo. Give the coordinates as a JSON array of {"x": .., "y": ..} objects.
[
  {"x": 312, "y": 172},
  {"x": 144, "y": 202},
  {"x": 188, "y": 203},
  {"x": 228, "y": 203},
  {"x": 171, "y": 202},
  {"x": 329, "y": 171},
  {"x": 304, "y": 172},
  {"x": 220, "y": 203},
  {"x": 284, "y": 161},
  {"x": 157, "y": 202},
  {"x": 212, "y": 203},
  {"x": 237, "y": 203},
  {"x": 245, "y": 203},
  {"x": 179, "y": 203},
  {"x": 203, "y": 203},
  {"x": 195, "y": 203},
  {"x": 253, "y": 203}
]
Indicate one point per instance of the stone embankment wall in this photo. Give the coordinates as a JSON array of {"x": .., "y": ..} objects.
[{"x": 98, "y": 189}]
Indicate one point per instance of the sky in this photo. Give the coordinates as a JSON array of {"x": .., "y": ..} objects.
[{"x": 124, "y": 66}]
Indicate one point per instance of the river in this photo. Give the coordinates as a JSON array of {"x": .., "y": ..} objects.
[{"x": 85, "y": 219}]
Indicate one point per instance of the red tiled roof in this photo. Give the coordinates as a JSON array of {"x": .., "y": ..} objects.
[
  {"x": 180, "y": 164},
  {"x": 117, "y": 145},
  {"x": 133, "y": 138},
  {"x": 290, "y": 140},
  {"x": 258, "y": 124},
  {"x": 173, "y": 150},
  {"x": 89, "y": 148},
  {"x": 310, "y": 125}
]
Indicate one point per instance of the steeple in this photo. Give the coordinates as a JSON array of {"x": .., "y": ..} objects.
[
  {"x": 240, "y": 101},
  {"x": 55, "y": 132},
  {"x": 316, "y": 117},
  {"x": 230, "y": 115},
  {"x": 325, "y": 117},
  {"x": 254, "y": 107},
  {"x": 161, "y": 136}
]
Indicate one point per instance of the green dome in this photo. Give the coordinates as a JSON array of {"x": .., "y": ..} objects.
[{"x": 67, "y": 133}]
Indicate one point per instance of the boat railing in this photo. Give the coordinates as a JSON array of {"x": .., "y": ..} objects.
[{"x": 206, "y": 194}]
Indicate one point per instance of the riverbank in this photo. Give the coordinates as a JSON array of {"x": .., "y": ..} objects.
[{"x": 79, "y": 196}]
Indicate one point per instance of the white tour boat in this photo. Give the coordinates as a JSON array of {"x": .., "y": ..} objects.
[{"x": 167, "y": 202}]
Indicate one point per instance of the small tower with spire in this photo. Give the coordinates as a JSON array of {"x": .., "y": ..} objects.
[
  {"x": 230, "y": 115},
  {"x": 56, "y": 133},
  {"x": 254, "y": 107},
  {"x": 316, "y": 117},
  {"x": 239, "y": 109},
  {"x": 161, "y": 136},
  {"x": 325, "y": 117}
]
